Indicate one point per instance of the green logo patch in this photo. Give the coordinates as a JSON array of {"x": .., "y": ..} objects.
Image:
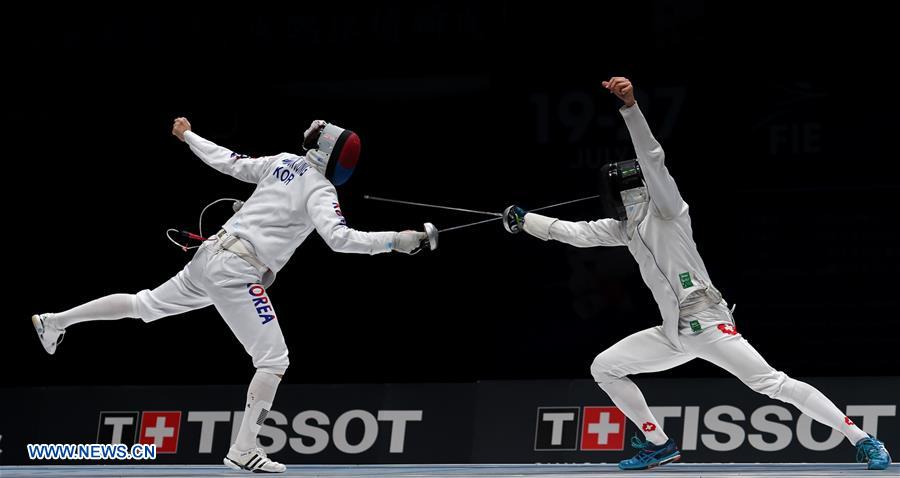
[
  {"x": 685, "y": 278},
  {"x": 695, "y": 326}
]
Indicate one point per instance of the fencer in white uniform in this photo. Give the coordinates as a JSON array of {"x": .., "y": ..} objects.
[
  {"x": 294, "y": 196},
  {"x": 651, "y": 219}
]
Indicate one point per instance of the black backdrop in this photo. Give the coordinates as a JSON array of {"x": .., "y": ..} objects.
[{"x": 779, "y": 128}]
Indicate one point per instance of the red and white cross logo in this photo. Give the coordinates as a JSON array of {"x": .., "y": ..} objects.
[
  {"x": 603, "y": 428},
  {"x": 161, "y": 429}
]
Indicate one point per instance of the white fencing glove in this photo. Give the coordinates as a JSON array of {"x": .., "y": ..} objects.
[{"x": 409, "y": 242}]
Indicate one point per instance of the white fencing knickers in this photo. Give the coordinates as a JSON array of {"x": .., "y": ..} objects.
[
  {"x": 718, "y": 343},
  {"x": 222, "y": 278}
]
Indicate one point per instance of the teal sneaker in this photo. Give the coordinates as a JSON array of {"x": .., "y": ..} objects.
[
  {"x": 872, "y": 451},
  {"x": 650, "y": 455}
]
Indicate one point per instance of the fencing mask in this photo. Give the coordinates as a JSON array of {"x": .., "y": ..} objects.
[
  {"x": 332, "y": 150},
  {"x": 625, "y": 193}
]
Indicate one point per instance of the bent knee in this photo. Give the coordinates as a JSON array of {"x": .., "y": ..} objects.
[
  {"x": 274, "y": 363},
  {"x": 602, "y": 370},
  {"x": 147, "y": 307}
]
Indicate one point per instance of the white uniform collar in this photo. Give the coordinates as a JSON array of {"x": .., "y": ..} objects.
[{"x": 636, "y": 202}]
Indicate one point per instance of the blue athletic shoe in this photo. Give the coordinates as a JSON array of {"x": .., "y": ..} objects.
[
  {"x": 873, "y": 451},
  {"x": 650, "y": 455}
]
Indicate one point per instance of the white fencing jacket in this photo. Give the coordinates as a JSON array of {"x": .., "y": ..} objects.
[
  {"x": 662, "y": 242},
  {"x": 291, "y": 199}
]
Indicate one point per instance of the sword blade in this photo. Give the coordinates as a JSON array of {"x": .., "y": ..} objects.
[{"x": 435, "y": 206}]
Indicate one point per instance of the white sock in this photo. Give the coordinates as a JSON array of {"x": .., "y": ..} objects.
[
  {"x": 111, "y": 307},
  {"x": 628, "y": 397},
  {"x": 259, "y": 401},
  {"x": 817, "y": 406}
]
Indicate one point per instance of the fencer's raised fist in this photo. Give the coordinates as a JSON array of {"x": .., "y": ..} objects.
[
  {"x": 622, "y": 88},
  {"x": 408, "y": 242},
  {"x": 180, "y": 126},
  {"x": 514, "y": 219}
]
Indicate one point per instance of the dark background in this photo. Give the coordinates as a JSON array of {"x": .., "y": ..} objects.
[{"x": 778, "y": 126}]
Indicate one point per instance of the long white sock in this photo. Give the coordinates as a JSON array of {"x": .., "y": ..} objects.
[
  {"x": 817, "y": 406},
  {"x": 628, "y": 397},
  {"x": 259, "y": 401},
  {"x": 111, "y": 307}
]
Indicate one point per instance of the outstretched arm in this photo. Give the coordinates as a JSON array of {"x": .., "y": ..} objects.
[
  {"x": 602, "y": 232},
  {"x": 330, "y": 223},
  {"x": 662, "y": 188},
  {"x": 222, "y": 159}
]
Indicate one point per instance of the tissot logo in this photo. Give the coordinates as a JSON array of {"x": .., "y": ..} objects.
[
  {"x": 719, "y": 428},
  {"x": 559, "y": 428},
  {"x": 311, "y": 431},
  {"x": 156, "y": 428}
]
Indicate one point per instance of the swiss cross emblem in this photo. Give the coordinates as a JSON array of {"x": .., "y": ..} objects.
[
  {"x": 728, "y": 329},
  {"x": 648, "y": 427},
  {"x": 161, "y": 429},
  {"x": 602, "y": 428},
  {"x": 848, "y": 421}
]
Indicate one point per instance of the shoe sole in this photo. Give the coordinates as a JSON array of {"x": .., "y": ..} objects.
[
  {"x": 664, "y": 461},
  {"x": 667, "y": 461},
  {"x": 234, "y": 466}
]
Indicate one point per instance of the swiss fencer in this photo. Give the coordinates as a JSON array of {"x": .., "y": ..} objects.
[
  {"x": 646, "y": 213},
  {"x": 294, "y": 195}
]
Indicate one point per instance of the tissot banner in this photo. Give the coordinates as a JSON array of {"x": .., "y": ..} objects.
[{"x": 565, "y": 421}]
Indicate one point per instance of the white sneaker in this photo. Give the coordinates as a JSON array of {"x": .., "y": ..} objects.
[
  {"x": 254, "y": 460},
  {"x": 49, "y": 334}
]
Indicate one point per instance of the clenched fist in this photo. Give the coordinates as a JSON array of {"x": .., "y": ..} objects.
[
  {"x": 180, "y": 127},
  {"x": 622, "y": 88}
]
